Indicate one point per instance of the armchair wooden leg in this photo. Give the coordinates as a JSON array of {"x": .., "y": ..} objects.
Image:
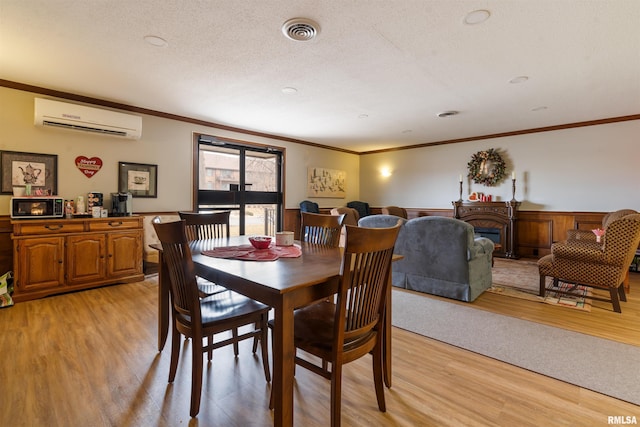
[
  {"x": 626, "y": 283},
  {"x": 621, "y": 293},
  {"x": 614, "y": 299},
  {"x": 543, "y": 285}
]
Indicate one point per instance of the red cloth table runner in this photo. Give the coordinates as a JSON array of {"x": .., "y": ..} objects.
[{"x": 249, "y": 253}]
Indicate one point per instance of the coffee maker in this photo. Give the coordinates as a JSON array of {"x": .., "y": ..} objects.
[{"x": 121, "y": 204}]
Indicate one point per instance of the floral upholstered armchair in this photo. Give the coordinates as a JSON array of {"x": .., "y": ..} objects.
[
  {"x": 602, "y": 266},
  {"x": 590, "y": 236}
]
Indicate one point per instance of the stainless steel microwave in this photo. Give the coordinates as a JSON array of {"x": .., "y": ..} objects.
[{"x": 37, "y": 207}]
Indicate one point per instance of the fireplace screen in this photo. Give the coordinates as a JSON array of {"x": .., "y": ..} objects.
[{"x": 492, "y": 234}]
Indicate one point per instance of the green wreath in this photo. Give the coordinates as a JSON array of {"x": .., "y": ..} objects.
[{"x": 486, "y": 167}]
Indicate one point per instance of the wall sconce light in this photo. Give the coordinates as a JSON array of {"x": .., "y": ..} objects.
[{"x": 385, "y": 172}]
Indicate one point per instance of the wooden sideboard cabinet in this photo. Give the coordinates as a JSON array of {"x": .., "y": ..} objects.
[{"x": 62, "y": 255}]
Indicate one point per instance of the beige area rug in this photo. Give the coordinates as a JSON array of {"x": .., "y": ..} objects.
[{"x": 520, "y": 279}]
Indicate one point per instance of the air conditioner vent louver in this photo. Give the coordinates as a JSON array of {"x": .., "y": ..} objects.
[
  {"x": 87, "y": 119},
  {"x": 84, "y": 128}
]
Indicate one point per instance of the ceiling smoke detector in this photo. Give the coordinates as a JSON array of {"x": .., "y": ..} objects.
[{"x": 300, "y": 29}]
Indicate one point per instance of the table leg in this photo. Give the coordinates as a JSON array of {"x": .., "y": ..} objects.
[
  {"x": 163, "y": 303},
  {"x": 283, "y": 365}
]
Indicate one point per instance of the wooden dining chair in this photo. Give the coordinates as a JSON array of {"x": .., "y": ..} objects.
[
  {"x": 199, "y": 226},
  {"x": 344, "y": 330},
  {"x": 321, "y": 229},
  {"x": 197, "y": 318},
  {"x": 210, "y": 225}
]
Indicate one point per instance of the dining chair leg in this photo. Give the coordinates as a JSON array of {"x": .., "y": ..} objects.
[
  {"x": 264, "y": 342},
  {"x": 175, "y": 353},
  {"x": 378, "y": 375},
  {"x": 210, "y": 351},
  {"x": 196, "y": 376},
  {"x": 257, "y": 325},
  {"x": 336, "y": 393},
  {"x": 234, "y": 333}
]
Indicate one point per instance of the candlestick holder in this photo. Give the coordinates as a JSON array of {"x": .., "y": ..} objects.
[
  {"x": 513, "y": 189},
  {"x": 460, "y": 199}
]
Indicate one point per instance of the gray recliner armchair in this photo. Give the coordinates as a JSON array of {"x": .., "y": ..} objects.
[{"x": 441, "y": 256}]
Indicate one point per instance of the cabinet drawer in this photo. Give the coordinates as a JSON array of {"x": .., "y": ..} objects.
[
  {"x": 48, "y": 228},
  {"x": 115, "y": 224}
]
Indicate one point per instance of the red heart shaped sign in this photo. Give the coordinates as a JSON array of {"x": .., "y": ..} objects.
[{"x": 87, "y": 166}]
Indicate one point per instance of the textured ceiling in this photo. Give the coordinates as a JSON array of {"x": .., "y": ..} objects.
[{"x": 375, "y": 77}]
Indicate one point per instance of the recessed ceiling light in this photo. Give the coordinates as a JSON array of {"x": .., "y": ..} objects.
[
  {"x": 363, "y": 116},
  {"x": 447, "y": 114},
  {"x": 541, "y": 108},
  {"x": 289, "y": 90},
  {"x": 519, "y": 79},
  {"x": 477, "y": 17},
  {"x": 407, "y": 131},
  {"x": 300, "y": 29},
  {"x": 156, "y": 41}
]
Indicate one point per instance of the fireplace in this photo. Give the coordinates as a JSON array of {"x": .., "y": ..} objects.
[
  {"x": 493, "y": 220},
  {"x": 493, "y": 234}
]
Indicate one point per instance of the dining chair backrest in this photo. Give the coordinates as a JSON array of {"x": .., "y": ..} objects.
[
  {"x": 200, "y": 226},
  {"x": 365, "y": 271},
  {"x": 395, "y": 210},
  {"x": 182, "y": 277},
  {"x": 321, "y": 229}
]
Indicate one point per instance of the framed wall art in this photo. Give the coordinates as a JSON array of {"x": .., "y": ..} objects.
[
  {"x": 139, "y": 179},
  {"x": 39, "y": 171},
  {"x": 323, "y": 182}
]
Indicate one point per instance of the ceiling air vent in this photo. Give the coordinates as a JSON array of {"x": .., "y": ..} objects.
[{"x": 300, "y": 29}]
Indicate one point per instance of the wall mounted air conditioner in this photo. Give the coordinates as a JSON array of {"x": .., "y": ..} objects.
[{"x": 87, "y": 119}]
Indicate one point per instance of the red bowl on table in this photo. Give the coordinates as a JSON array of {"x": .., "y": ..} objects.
[{"x": 260, "y": 242}]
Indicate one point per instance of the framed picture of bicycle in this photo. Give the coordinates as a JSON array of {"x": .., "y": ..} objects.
[{"x": 37, "y": 171}]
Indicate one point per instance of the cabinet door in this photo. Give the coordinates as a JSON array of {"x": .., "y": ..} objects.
[
  {"x": 85, "y": 258},
  {"x": 124, "y": 253},
  {"x": 39, "y": 264}
]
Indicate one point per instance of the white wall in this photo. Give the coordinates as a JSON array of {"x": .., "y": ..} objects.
[
  {"x": 587, "y": 169},
  {"x": 166, "y": 143},
  {"x": 583, "y": 169}
]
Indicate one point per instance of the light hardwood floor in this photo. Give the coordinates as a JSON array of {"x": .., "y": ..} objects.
[{"x": 90, "y": 359}]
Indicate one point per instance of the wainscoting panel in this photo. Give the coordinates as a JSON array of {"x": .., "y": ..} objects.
[
  {"x": 535, "y": 230},
  {"x": 538, "y": 230},
  {"x": 533, "y": 235}
]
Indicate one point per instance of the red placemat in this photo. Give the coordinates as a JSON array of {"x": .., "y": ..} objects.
[{"x": 249, "y": 253}]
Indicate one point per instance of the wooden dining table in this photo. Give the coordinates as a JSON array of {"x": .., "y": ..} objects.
[{"x": 284, "y": 284}]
